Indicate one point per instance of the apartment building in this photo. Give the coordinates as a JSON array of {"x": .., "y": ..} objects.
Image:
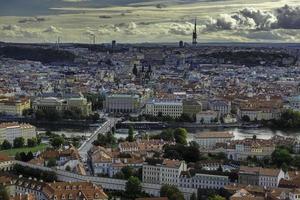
[
  {"x": 163, "y": 171},
  {"x": 265, "y": 177},
  {"x": 204, "y": 181},
  {"x": 172, "y": 108},
  {"x": 10, "y": 131},
  {"x": 208, "y": 140},
  {"x": 14, "y": 106}
]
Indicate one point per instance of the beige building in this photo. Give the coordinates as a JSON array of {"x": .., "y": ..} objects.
[
  {"x": 191, "y": 107},
  {"x": 58, "y": 104},
  {"x": 123, "y": 103},
  {"x": 10, "y": 131},
  {"x": 12, "y": 106},
  {"x": 170, "y": 108}
]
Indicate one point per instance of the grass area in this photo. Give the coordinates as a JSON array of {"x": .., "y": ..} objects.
[{"x": 12, "y": 152}]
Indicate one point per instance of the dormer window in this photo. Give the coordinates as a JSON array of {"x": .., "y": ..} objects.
[
  {"x": 63, "y": 197},
  {"x": 55, "y": 197},
  {"x": 96, "y": 195},
  {"x": 70, "y": 196}
]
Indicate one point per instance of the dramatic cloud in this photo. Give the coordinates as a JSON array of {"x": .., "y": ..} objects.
[
  {"x": 52, "y": 30},
  {"x": 254, "y": 19},
  {"x": 288, "y": 17},
  {"x": 181, "y": 29}
]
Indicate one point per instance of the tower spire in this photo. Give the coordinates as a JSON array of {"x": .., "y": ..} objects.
[{"x": 195, "y": 33}]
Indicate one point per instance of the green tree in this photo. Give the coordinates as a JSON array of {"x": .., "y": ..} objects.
[
  {"x": 51, "y": 162},
  {"x": 130, "y": 137},
  {"x": 68, "y": 168},
  {"x": 6, "y": 145},
  {"x": 280, "y": 156},
  {"x": 127, "y": 171},
  {"x": 133, "y": 187},
  {"x": 31, "y": 142},
  {"x": 172, "y": 192},
  {"x": 57, "y": 141},
  {"x": 19, "y": 142},
  {"x": 216, "y": 197},
  {"x": 180, "y": 135}
]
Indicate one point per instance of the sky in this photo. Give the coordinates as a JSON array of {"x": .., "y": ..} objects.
[{"x": 137, "y": 21}]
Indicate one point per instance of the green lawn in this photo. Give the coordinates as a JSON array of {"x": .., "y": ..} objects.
[{"x": 12, "y": 152}]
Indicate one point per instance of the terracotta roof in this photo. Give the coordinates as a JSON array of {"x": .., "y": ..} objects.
[
  {"x": 29, "y": 196},
  {"x": 259, "y": 170}
]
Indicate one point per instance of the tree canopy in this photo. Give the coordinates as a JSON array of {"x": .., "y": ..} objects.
[{"x": 172, "y": 192}]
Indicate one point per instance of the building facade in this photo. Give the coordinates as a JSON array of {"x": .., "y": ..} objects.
[
  {"x": 122, "y": 103},
  {"x": 164, "y": 172},
  {"x": 208, "y": 140},
  {"x": 11, "y": 131},
  {"x": 11, "y": 106},
  {"x": 170, "y": 108}
]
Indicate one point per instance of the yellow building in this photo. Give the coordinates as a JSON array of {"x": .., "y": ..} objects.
[{"x": 12, "y": 106}]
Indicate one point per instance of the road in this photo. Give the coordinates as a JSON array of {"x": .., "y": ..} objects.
[{"x": 102, "y": 129}]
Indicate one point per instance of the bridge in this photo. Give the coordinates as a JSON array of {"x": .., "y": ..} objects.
[{"x": 102, "y": 129}]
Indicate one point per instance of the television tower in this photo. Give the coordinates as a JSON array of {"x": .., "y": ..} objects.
[{"x": 195, "y": 33}]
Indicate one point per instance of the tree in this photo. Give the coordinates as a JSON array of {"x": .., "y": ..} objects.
[
  {"x": 51, "y": 162},
  {"x": 193, "y": 196},
  {"x": 130, "y": 137},
  {"x": 19, "y": 142},
  {"x": 246, "y": 118},
  {"x": 31, "y": 142},
  {"x": 6, "y": 145},
  {"x": 280, "y": 156},
  {"x": 135, "y": 70},
  {"x": 68, "y": 168},
  {"x": 133, "y": 186},
  {"x": 127, "y": 171},
  {"x": 172, "y": 192},
  {"x": 57, "y": 141},
  {"x": 180, "y": 135},
  {"x": 216, "y": 197}
]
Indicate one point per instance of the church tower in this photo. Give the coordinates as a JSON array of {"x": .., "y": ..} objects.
[{"x": 195, "y": 33}]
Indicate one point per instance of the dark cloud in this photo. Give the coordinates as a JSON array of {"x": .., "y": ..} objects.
[{"x": 254, "y": 19}]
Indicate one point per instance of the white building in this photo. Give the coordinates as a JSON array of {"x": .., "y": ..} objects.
[
  {"x": 163, "y": 172},
  {"x": 221, "y": 106},
  {"x": 204, "y": 181},
  {"x": 170, "y": 108},
  {"x": 208, "y": 140},
  {"x": 270, "y": 177},
  {"x": 10, "y": 131},
  {"x": 206, "y": 117}
]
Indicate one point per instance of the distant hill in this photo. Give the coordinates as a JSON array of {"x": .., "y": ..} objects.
[{"x": 43, "y": 55}]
